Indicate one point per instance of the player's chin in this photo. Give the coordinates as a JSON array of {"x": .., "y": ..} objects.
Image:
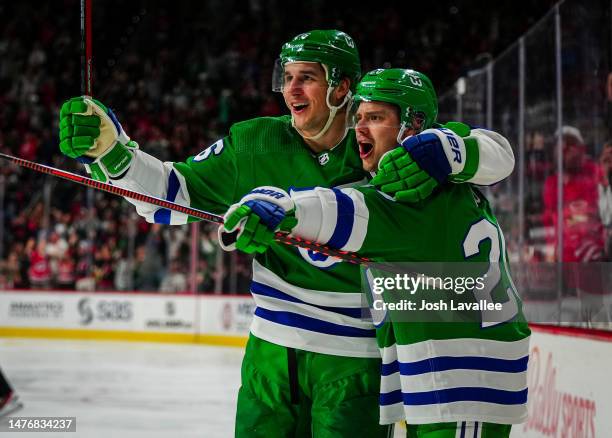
[
  {"x": 301, "y": 122},
  {"x": 369, "y": 164},
  {"x": 308, "y": 127}
]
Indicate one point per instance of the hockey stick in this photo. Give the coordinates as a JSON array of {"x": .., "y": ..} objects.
[
  {"x": 200, "y": 214},
  {"x": 86, "y": 56},
  {"x": 86, "y": 90}
]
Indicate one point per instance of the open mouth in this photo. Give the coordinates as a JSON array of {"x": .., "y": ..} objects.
[
  {"x": 298, "y": 108},
  {"x": 365, "y": 149}
]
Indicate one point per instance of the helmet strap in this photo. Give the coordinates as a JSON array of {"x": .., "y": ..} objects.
[
  {"x": 400, "y": 134},
  {"x": 404, "y": 126},
  {"x": 333, "y": 110}
]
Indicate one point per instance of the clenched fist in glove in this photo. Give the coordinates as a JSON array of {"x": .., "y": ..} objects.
[
  {"x": 250, "y": 224},
  {"x": 412, "y": 171},
  {"x": 90, "y": 133}
]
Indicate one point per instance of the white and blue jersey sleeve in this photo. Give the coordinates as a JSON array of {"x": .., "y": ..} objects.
[
  {"x": 488, "y": 163},
  {"x": 149, "y": 175},
  {"x": 334, "y": 217},
  {"x": 496, "y": 159}
]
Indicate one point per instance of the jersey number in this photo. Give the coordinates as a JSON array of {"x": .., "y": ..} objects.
[
  {"x": 214, "y": 149},
  {"x": 479, "y": 232}
]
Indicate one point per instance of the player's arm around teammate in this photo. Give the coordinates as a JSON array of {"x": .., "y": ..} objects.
[{"x": 469, "y": 398}]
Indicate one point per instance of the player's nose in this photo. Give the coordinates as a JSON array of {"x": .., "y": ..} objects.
[
  {"x": 294, "y": 86},
  {"x": 361, "y": 126}
]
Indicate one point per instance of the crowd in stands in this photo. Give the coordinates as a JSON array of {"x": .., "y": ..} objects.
[{"x": 178, "y": 75}]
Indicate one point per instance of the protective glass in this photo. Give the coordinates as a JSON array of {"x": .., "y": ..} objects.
[{"x": 278, "y": 76}]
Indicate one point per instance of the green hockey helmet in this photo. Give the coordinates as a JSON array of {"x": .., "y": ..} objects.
[
  {"x": 410, "y": 90},
  {"x": 336, "y": 52},
  {"x": 334, "y": 49}
]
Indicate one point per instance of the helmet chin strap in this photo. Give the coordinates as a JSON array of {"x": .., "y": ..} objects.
[
  {"x": 400, "y": 134},
  {"x": 333, "y": 110}
]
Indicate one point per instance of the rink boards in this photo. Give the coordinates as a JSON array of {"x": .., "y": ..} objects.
[
  {"x": 220, "y": 320},
  {"x": 570, "y": 394}
]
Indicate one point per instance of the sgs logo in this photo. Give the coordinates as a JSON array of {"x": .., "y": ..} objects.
[{"x": 104, "y": 310}]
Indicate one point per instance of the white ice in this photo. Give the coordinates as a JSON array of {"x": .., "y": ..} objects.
[{"x": 125, "y": 389}]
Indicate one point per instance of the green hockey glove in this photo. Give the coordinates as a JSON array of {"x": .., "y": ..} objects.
[
  {"x": 90, "y": 133},
  {"x": 411, "y": 172},
  {"x": 250, "y": 224}
]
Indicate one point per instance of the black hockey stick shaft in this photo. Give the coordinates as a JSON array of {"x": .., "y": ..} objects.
[{"x": 86, "y": 49}]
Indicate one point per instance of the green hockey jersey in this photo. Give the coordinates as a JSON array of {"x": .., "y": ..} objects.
[
  {"x": 303, "y": 299},
  {"x": 472, "y": 370}
]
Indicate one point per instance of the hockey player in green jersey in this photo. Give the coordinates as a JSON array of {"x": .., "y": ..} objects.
[
  {"x": 445, "y": 379},
  {"x": 311, "y": 366}
]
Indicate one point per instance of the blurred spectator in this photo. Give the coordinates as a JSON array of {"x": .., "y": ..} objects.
[
  {"x": 176, "y": 94},
  {"x": 40, "y": 268},
  {"x": 582, "y": 228},
  {"x": 103, "y": 268},
  {"x": 123, "y": 274},
  {"x": 56, "y": 248},
  {"x": 150, "y": 260},
  {"x": 12, "y": 271},
  {"x": 604, "y": 188},
  {"x": 84, "y": 279},
  {"x": 175, "y": 280},
  {"x": 609, "y": 102},
  {"x": 65, "y": 278},
  {"x": 204, "y": 277}
]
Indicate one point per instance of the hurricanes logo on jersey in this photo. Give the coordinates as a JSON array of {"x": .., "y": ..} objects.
[{"x": 317, "y": 259}]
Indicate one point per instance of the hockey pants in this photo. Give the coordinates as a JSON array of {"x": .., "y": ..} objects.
[{"x": 290, "y": 393}]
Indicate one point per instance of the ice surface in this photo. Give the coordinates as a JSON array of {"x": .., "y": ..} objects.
[{"x": 126, "y": 389}]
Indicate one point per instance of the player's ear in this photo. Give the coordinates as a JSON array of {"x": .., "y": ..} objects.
[
  {"x": 418, "y": 122},
  {"x": 341, "y": 90}
]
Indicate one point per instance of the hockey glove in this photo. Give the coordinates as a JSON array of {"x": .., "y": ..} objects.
[
  {"x": 250, "y": 224},
  {"x": 411, "y": 172},
  {"x": 90, "y": 132}
]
